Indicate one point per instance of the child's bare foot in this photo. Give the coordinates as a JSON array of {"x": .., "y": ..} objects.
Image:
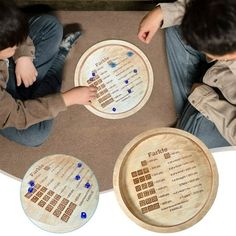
[{"x": 80, "y": 95}]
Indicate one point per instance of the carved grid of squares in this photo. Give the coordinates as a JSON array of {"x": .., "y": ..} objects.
[
  {"x": 53, "y": 202},
  {"x": 104, "y": 97},
  {"x": 142, "y": 180}
]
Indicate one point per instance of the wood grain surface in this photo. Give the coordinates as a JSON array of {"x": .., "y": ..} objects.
[
  {"x": 59, "y": 193},
  {"x": 165, "y": 180},
  {"x": 122, "y": 74}
]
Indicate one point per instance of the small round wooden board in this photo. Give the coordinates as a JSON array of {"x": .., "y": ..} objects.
[
  {"x": 59, "y": 193},
  {"x": 122, "y": 74},
  {"x": 165, "y": 180}
]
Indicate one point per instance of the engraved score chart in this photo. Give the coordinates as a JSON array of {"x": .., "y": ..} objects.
[
  {"x": 122, "y": 74},
  {"x": 59, "y": 193},
  {"x": 165, "y": 180}
]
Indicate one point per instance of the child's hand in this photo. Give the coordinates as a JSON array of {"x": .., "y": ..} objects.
[
  {"x": 79, "y": 95},
  {"x": 26, "y": 72},
  {"x": 150, "y": 24}
]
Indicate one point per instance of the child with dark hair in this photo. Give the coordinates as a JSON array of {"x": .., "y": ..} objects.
[
  {"x": 202, "y": 63},
  {"x": 32, "y": 56}
]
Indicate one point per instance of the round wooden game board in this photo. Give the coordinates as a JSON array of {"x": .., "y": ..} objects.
[
  {"x": 165, "y": 180},
  {"x": 59, "y": 193},
  {"x": 122, "y": 74}
]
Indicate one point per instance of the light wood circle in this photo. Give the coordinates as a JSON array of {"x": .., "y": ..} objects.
[
  {"x": 121, "y": 72},
  {"x": 59, "y": 193},
  {"x": 165, "y": 180}
]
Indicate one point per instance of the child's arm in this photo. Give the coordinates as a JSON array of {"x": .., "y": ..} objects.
[
  {"x": 80, "y": 96},
  {"x": 26, "y": 49},
  {"x": 173, "y": 12},
  {"x": 25, "y": 70},
  {"x": 222, "y": 112},
  {"x": 164, "y": 15},
  {"x": 150, "y": 24},
  {"x": 22, "y": 114}
]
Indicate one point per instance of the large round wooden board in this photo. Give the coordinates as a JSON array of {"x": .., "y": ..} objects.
[
  {"x": 59, "y": 193},
  {"x": 122, "y": 74},
  {"x": 165, "y": 180}
]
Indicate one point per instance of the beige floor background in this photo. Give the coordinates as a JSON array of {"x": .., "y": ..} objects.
[{"x": 78, "y": 132}]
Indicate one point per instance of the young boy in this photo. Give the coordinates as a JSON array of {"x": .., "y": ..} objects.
[
  {"x": 202, "y": 66},
  {"x": 32, "y": 56}
]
